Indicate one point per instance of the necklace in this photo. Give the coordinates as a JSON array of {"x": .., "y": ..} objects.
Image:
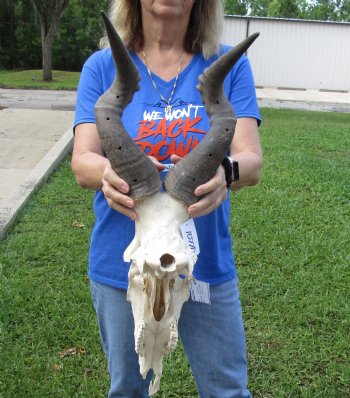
[{"x": 169, "y": 107}]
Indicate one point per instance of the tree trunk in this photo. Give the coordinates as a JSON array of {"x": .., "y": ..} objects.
[
  {"x": 49, "y": 12},
  {"x": 47, "y": 42}
]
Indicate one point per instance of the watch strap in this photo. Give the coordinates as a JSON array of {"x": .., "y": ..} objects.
[
  {"x": 231, "y": 168},
  {"x": 227, "y": 165},
  {"x": 235, "y": 170}
]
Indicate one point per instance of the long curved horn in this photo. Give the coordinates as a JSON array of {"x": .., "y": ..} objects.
[
  {"x": 126, "y": 158},
  {"x": 200, "y": 165}
]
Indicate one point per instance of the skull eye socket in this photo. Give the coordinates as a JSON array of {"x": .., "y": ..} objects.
[{"x": 166, "y": 260}]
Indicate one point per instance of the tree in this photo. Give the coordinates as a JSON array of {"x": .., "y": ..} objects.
[
  {"x": 7, "y": 33},
  {"x": 323, "y": 10},
  {"x": 283, "y": 9},
  {"x": 19, "y": 35},
  {"x": 344, "y": 10},
  {"x": 27, "y": 36},
  {"x": 81, "y": 28},
  {"x": 259, "y": 8},
  {"x": 236, "y": 7},
  {"x": 303, "y": 6},
  {"x": 49, "y": 12}
]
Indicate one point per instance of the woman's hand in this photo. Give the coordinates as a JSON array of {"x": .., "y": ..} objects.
[
  {"x": 116, "y": 189},
  {"x": 214, "y": 192}
]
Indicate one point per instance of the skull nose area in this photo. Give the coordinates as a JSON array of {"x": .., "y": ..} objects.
[{"x": 166, "y": 260}]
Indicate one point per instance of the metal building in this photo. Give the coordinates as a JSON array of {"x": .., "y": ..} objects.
[{"x": 296, "y": 54}]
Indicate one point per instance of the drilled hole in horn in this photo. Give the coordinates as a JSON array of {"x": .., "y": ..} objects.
[
  {"x": 107, "y": 118},
  {"x": 217, "y": 102},
  {"x": 119, "y": 147},
  {"x": 135, "y": 179},
  {"x": 117, "y": 96},
  {"x": 210, "y": 155},
  {"x": 227, "y": 129}
]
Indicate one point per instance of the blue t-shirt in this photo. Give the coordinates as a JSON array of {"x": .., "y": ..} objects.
[{"x": 161, "y": 136}]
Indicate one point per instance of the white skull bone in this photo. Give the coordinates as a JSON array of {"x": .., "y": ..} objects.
[{"x": 159, "y": 278}]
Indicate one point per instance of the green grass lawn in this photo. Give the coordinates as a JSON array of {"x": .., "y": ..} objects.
[
  {"x": 33, "y": 79},
  {"x": 291, "y": 241}
]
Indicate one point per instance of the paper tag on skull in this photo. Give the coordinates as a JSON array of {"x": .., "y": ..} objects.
[
  {"x": 200, "y": 291},
  {"x": 189, "y": 235}
]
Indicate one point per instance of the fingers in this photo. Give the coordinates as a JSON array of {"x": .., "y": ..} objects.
[
  {"x": 208, "y": 203},
  {"x": 175, "y": 158},
  {"x": 115, "y": 189},
  {"x": 216, "y": 182},
  {"x": 159, "y": 165},
  {"x": 213, "y": 193},
  {"x": 112, "y": 178}
]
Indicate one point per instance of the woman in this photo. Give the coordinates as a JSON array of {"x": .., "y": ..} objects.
[{"x": 171, "y": 43}]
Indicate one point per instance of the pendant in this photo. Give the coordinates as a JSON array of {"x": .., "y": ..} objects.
[{"x": 168, "y": 110}]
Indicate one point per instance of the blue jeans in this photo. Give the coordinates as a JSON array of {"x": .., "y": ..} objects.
[{"x": 212, "y": 335}]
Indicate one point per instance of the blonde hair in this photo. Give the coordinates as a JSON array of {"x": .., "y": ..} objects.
[{"x": 203, "y": 34}]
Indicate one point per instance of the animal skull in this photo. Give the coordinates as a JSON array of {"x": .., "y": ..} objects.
[
  {"x": 156, "y": 291},
  {"x": 161, "y": 263}
]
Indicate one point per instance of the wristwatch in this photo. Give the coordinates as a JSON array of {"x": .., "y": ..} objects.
[{"x": 231, "y": 170}]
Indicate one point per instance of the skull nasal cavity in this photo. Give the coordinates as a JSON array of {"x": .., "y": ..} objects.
[{"x": 166, "y": 259}]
